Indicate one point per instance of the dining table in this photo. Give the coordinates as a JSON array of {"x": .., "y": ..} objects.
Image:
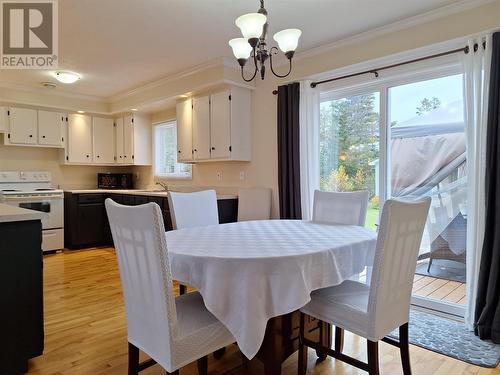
[{"x": 254, "y": 276}]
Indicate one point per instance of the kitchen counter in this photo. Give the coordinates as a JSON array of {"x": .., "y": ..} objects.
[
  {"x": 149, "y": 193},
  {"x": 11, "y": 213}
]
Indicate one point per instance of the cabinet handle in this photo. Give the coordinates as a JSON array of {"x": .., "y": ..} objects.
[
  {"x": 179, "y": 151},
  {"x": 88, "y": 156},
  {"x": 97, "y": 155},
  {"x": 195, "y": 150},
  {"x": 120, "y": 156},
  {"x": 31, "y": 135},
  {"x": 43, "y": 136},
  {"x": 213, "y": 148}
]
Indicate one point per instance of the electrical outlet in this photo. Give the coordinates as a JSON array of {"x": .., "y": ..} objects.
[
  {"x": 219, "y": 175},
  {"x": 137, "y": 177},
  {"x": 242, "y": 175}
]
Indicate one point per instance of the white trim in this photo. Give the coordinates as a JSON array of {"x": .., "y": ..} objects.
[{"x": 438, "y": 306}]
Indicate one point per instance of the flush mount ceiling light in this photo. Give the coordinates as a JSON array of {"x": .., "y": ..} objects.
[
  {"x": 254, "y": 28},
  {"x": 66, "y": 77}
]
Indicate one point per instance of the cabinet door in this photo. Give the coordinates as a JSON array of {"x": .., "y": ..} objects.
[
  {"x": 128, "y": 139},
  {"x": 91, "y": 224},
  {"x": 119, "y": 140},
  {"x": 79, "y": 138},
  {"x": 184, "y": 131},
  {"x": 220, "y": 125},
  {"x": 201, "y": 128},
  {"x": 104, "y": 140},
  {"x": 23, "y": 124},
  {"x": 4, "y": 120},
  {"x": 51, "y": 128}
]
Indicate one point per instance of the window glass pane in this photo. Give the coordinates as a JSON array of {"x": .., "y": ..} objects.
[
  {"x": 349, "y": 147},
  {"x": 427, "y": 149},
  {"x": 166, "y": 153}
]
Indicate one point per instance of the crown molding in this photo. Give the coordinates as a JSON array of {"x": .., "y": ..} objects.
[
  {"x": 405, "y": 23},
  {"x": 218, "y": 62}
]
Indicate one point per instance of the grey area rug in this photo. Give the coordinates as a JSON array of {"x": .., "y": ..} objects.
[{"x": 450, "y": 338}]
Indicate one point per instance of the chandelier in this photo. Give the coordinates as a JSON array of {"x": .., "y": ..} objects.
[{"x": 254, "y": 27}]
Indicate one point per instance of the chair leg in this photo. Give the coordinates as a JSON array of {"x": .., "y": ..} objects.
[
  {"x": 203, "y": 366},
  {"x": 320, "y": 352},
  {"x": 302, "y": 362},
  {"x": 182, "y": 289},
  {"x": 133, "y": 359},
  {"x": 339, "y": 339},
  {"x": 373, "y": 368},
  {"x": 176, "y": 372},
  {"x": 405, "y": 349},
  {"x": 429, "y": 266}
]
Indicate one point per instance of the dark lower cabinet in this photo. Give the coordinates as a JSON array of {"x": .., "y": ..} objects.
[
  {"x": 21, "y": 295},
  {"x": 86, "y": 223}
]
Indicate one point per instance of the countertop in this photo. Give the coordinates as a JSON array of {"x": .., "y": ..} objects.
[
  {"x": 149, "y": 193},
  {"x": 11, "y": 213}
]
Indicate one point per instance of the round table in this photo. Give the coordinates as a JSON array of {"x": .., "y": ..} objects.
[{"x": 249, "y": 272}]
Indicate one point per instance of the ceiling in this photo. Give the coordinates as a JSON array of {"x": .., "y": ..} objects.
[{"x": 118, "y": 45}]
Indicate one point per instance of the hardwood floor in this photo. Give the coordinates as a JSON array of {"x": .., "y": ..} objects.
[{"x": 85, "y": 330}]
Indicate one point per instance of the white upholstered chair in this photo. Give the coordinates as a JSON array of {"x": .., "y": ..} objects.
[
  {"x": 375, "y": 311},
  {"x": 347, "y": 208},
  {"x": 254, "y": 204},
  {"x": 172, "y": 331},
  {"x": 197, "y": 209}
]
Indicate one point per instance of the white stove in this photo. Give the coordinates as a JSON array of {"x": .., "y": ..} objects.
[{"x": 33, "y": 190}]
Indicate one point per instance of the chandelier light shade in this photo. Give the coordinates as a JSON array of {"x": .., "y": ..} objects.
[
  {"x": 251, "y": 25},
  {"x": 288, "y": 39},
  {"x": 254, "y": 27},
  {"x": 241, "y": 48}
]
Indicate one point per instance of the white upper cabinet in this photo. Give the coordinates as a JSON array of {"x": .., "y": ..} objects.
[
  {"x": 51, "y": 128},
  {"x": 241, "y": 124},
  {"x": 133, "y": 139},
  {"x": 119, "y": 141},
  {"x": 4, "y": 120},
  {"x": 22, "y": 126},
  {"x": 201, "y": 128},
  {"x": 184, "y": 131},
  {"x": 103, "y": 140},
  {"x": 79, "y": 145},
  {"x": 128, "y": 139},
  {"x": 220, "y": 129}
]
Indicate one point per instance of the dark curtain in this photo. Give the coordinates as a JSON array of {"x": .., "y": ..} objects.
[
  {"x": 289, "y": 151},
  {"x": 487, "y": 314}
]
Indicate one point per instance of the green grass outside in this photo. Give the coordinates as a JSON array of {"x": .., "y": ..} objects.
[{"x": 371, "y": 218}]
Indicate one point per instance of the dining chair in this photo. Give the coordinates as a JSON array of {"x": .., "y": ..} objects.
[
  {"x": 172, "y": 331},
  {"x": 348, "y": 208},
  {"x": 345, "y": 208},
  {"x": 376, "y": 310},
  {"x": 196, "y": 209},
  {"x": 188, "y": 210},
  {"x": 254, "y": 204}
]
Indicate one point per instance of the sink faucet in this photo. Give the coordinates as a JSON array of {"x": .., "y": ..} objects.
[{"x": 162, "y": 184}]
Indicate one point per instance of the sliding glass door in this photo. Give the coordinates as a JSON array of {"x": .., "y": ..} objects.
[
  {"x": 427, "y": 157},
  {"x": 349, "y": 147},
  {"x": 404, "y": 137}
]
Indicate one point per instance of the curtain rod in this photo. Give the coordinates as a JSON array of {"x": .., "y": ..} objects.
[{"x": 377, "y": 70}]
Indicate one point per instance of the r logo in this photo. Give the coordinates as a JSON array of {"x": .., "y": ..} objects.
[{"x": 28, "y": 28}]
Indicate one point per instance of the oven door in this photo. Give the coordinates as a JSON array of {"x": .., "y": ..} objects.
[{"x": 52, "y": 206}]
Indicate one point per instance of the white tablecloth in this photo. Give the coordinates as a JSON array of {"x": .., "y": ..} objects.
[{"x": 249, "y": 272}]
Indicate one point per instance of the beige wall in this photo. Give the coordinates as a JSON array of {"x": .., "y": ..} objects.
[{"x": 14, "y": 158}]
